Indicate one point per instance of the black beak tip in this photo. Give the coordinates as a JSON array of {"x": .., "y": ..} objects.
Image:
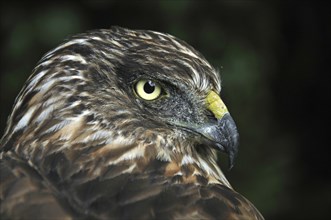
[{"x": 230, "y": 140}]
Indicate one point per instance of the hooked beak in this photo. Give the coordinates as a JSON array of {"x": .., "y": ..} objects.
[{"x": 223, "y": 135}]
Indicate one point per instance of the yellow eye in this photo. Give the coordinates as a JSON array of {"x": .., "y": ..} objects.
[{"x": 148, "y": 90}]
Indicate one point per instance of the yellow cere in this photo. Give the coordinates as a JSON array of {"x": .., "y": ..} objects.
[
  {"x": 216, "y": 105},
  {"x": 148, "y": 90}
]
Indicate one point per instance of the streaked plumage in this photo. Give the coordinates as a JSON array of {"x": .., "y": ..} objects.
[{"x": 80, "y": 142}]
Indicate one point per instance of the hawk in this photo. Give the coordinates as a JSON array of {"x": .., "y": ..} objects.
[{"x": 120, "y": 124}]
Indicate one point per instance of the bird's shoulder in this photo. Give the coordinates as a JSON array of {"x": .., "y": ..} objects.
[
  {"x": 24, "y": 194},
  {"x": 146, "y": 193}
]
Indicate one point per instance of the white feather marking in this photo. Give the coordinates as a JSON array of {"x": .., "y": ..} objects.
[
  {"x": 214, "y": 171},
  {"x": 52, "y": 81},
  {"x": 99, "y": 135},
  {"x": 75, "y": 57},
  {"x": 58, "y": 126},
  {"x": 130, "y": 169},
  {"x": 44, "y": 114},
  {"x": 37, "y": 77},
  {"x": 48, "y": 84},
  {"x": 135, "y": 153},
  {"x": 145, "y": 36},
  {"x": 67, "y": 44},
  {"x": 196, "y": 173},
  {"x": 45, "y": 63},
  {"x": 179, "y": 173},
  {"x": 132, "y": 154},
  {"x": 205, "y": 166},
  {"x": 23, "y": 122},
  {"x": 162, "y": 155},
  {"x": 197, "y": 79},
  {"x": 115, "y": 42},
  {"x": 187, "y": 159},
  {"x": 96, "y": 38},
  {"x": 184, "y": 49},
  {"x": 52, "y": 100}
]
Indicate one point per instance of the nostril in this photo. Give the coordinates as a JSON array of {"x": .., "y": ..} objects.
[{"x": 211, "y": 117}]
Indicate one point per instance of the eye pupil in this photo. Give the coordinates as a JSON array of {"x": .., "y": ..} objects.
[{"x": 149, "y": 87}]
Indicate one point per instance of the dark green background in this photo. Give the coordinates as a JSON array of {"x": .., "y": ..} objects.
[{"x": 272, "y": 56}]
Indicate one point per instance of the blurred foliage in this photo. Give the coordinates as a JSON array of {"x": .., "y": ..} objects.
[{"x": 271, "y": 56}]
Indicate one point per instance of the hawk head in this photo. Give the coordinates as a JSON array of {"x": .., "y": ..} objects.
[
  {"x": 109, "y": 107},
  {"x": 129, "y": 94}
]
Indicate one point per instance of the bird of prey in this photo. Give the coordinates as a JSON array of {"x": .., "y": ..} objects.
[{"x": 120, "y": 124}]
